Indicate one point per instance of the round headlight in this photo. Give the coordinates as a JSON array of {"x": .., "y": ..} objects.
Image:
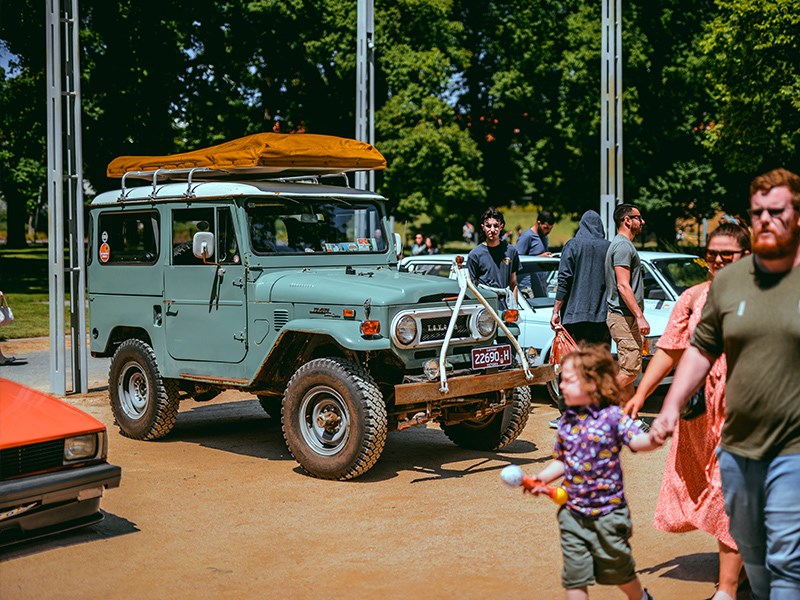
[
  {"x": 486, "y": 324},
  {"x": 406, "y": 330}
]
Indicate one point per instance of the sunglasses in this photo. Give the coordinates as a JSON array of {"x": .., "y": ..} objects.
[
  {"x": 638, "y": 217},
  {"x": 726, "y": 255},
  {"x": 774, "y": 213}
]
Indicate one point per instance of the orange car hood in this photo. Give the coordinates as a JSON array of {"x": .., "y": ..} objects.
[{"x": 28, "y": 416}]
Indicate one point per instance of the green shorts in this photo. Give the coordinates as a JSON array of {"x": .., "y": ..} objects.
[{"x": 596, "y": 550}]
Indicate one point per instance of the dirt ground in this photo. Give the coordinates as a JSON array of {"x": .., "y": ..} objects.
[{"x": 220, "y": 508}]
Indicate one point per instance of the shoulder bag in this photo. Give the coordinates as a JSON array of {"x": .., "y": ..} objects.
[{"x": 6, "y": 316}]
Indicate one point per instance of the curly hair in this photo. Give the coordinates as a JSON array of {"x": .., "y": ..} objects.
[{"x": 594, "y": 363}]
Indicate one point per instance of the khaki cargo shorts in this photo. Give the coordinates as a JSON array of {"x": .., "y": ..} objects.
[
  {"x": 596, "y": 550},
  {"x": 625, "y": 332}
]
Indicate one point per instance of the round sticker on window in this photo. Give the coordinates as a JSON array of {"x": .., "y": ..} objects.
[
  {"x": 105, "y": 252},
  {"x": 104, "y": 236}
]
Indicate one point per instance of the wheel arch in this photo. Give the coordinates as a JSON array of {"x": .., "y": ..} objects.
[
  {"x": 292, "y": 350},
  {"x": 121, "y": 333}
]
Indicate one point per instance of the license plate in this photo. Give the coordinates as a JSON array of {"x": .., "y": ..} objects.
[{"x": 493, "y": 356}]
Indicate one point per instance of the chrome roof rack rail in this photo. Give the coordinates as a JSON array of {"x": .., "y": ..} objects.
[
  {"x": 189, "y": 193},
  {"x": 154, "y": 193}
]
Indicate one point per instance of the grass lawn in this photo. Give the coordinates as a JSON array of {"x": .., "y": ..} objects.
[{"x": 24, "y": 281}]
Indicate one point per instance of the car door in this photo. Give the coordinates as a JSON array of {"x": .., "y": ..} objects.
[{"x": 206, "y": 308}]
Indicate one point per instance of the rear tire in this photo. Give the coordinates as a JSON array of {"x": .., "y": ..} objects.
[
  {"x": 495, "y": 431},
  {"x": 334, "y": 419},
  {"x": 145, "y": 404}
]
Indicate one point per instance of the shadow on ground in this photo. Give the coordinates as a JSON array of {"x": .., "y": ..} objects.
[
  {"x": 242, "y": 427},
  {"x": 111, "y": 526}
]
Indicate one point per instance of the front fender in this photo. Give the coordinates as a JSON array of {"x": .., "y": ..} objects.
[
  {"x": 346, "y": 333},
  {"x": 302, "y": 339}
]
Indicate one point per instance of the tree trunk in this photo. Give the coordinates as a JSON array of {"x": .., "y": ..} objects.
[{"x": 17, "y": 215}]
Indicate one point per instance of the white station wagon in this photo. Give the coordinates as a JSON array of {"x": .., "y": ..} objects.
[{"x": 666, "y": 276}]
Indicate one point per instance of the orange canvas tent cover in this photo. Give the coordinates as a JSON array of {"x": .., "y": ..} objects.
[{"x": 267, "y": 153}]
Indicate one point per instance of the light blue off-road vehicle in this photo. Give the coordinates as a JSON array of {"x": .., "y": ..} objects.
[{"x": 287, "y": 288}]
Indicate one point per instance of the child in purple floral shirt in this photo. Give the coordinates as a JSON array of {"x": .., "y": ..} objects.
[{"x": 595, "y": 523}]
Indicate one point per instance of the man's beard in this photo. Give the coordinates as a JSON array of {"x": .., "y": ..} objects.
[{"x": 779, "y": 246}]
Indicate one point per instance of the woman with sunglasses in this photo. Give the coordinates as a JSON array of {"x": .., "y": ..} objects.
[{"x": 691, "y": 492}]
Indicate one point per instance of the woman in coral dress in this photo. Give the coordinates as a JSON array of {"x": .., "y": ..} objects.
[{"x": 691, "y": 493}]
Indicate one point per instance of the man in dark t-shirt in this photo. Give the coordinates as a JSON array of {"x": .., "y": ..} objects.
[{"x": 494, "y": 263}]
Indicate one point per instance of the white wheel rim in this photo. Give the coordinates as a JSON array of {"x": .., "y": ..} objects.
[
  {"x": 133, "y": 390},
  {"x": 324, "y": 420}
]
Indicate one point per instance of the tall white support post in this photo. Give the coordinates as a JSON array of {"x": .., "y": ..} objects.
[
  {"x": 365, "y": 85},
  {"x": 65, "y": 193},
  {"x": 611, "y": 114}
]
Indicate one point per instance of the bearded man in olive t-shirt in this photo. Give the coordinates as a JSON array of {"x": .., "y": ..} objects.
[{"x": 753, "y": 315}]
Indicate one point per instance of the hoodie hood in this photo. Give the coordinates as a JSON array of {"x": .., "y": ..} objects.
[{"x": 591, "y": 226}]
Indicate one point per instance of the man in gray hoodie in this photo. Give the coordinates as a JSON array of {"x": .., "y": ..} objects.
[{"x": 580, "y": 305}]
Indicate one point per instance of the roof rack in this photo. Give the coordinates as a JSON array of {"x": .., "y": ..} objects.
[
  {"x": 250, "y": 175},
  {"x": 189, "y": 174}
]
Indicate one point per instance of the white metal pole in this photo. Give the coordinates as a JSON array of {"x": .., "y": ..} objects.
[
  {"x": 55, "y": 201},
  {"x": 611, "y": 188},
  {"x": 365, "y": 84}
]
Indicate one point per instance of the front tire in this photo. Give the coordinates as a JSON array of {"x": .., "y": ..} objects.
[
  {"x": 271, "y": 405},
  {"x": 144, "y": 404},
  {"x": 495, "y": 431},
  {"x": 334, "y": 419}
]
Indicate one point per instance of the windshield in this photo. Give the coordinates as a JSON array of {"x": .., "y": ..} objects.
[
  {"x": 321, "y": 225},
  {"x": 682, "y": 273},
  {"x": 538, "y": 281}
]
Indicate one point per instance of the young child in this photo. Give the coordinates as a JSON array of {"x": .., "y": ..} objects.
[{"x": 595, "y": 522}]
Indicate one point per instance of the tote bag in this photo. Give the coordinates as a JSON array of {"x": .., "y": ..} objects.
[
  {"x": 6, "y": 316},
  {"x": 563, "y": 344}
]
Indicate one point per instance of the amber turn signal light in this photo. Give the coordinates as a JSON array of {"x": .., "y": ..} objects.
[
  {"x": 349, "y": 313},
  {"x": 370, "y": 327},
  {"x": 511, "y": 315}
]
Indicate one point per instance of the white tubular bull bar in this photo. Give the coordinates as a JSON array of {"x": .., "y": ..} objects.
[{"x": 464, "y": 284}]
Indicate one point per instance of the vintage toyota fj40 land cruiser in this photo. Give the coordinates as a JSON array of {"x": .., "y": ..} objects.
[{"x": 236, "y": 269}]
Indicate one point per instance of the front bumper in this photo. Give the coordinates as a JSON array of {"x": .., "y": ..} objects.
[
  {"x": 57, "y": 497},
  {"x": 469, "y": 385}
]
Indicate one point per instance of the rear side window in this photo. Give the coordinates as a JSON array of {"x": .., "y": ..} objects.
[{"x": 127, "y": 238}]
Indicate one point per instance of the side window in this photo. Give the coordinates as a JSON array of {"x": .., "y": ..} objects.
[
  {"x": 185, "y": 223},
  {"x": 127, "y": 238},
  {"x": 652, "y": 289},
  {"x": 227, "y": 247}
]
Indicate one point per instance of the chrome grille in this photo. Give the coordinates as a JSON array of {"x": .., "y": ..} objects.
[
  {"x": 434, "y": 329},
  {"x": 432, "y": 326},
  {"x": 32, "y": 458}
]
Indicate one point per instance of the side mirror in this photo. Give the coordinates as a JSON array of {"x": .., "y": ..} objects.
[
  {"x": 398, "y": 246},
  {"x": 203, "y": 245}
]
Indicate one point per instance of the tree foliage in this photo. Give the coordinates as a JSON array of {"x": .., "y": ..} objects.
[
  {"x": 753, "y": 48},
  {"x": 477, "y": 102}
]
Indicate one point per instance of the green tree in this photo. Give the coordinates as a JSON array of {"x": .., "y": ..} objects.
[
  {"x": 434, "y": 165},
  {"x": 754, "y": 75},
  {"x": 686, "y": 190}
]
